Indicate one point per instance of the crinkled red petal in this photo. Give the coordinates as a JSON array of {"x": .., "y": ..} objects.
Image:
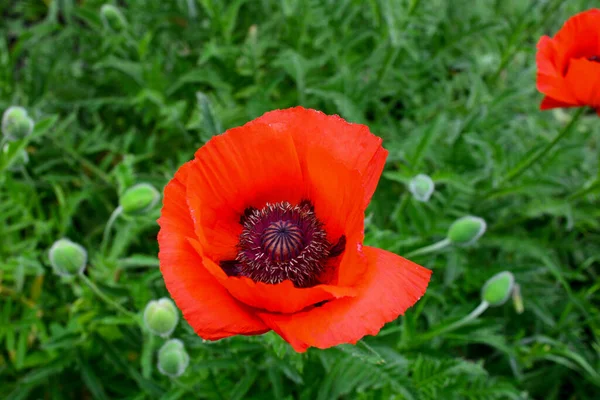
[
  {"x": 207, "y": 306},
  {"x": 394, "y": 284}
]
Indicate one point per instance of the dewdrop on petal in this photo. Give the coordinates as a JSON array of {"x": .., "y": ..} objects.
[
  {"x": 498, "y": 288},
  {"x": 67, "y": 258},
  {"x": 21, "y": 159},
  {"x": 112, "y": 18},
  {"x": 421, "y": 187},
  {"x": 466, "y": 230},
  {"x": 139, "y": 199},
  {"x": 16, "y": 123},
  {"x": 161, "y": 317},
  {"x": 172, "y": 358}
]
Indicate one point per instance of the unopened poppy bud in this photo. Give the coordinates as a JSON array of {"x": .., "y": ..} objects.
[
  {"x": 498, "y": 288},
  {"x": 172, "y": 358},
  {"x": 139, "y": 199},
  {"x": 21, "y": 159},
  {"x": 16, "y": 123},
  {"x": 161, "y": 317},
  {"x": 466, "y": 230},
  {"x": 421, "y": 187},
  {"x": 67, "y": 258},
  {"x": 112, "y": 17}
]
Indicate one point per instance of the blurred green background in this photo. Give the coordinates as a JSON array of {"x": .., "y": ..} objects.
[{"x": 448, "y": 84}]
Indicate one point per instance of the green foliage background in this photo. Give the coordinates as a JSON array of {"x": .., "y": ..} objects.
[{"x": 448, "y": 84}]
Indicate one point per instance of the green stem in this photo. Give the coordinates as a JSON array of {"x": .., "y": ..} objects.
[
  {"x": 181, "y": 385},
  {"x": 399, "y": 211},
  {"x": 109, "y": 224},
  {"x": 82, "y": 160},
  {"x": 442, "y": 244},
  {"x": 105, "y": 298},
  {"x": 595, "y": 184},
  {"x": 457, "y": 324},
  {"x": 213, "y": 380},
  {"x": 192, "y": 12},
  {"x": 535, "y": 157},
  {"x": 147, "y": 353}
]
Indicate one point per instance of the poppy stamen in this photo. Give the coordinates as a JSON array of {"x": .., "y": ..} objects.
[
  {"x": 247, "y": 212},
  {"x": 338, "y": 248},
  {"x": 282, "y": 241},
  {"x": 230, "y": 267}
]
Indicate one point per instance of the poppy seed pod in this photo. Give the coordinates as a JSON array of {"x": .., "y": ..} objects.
[
  {"x": 16, "y": 123},
  {"x": 161, "y": 317},
  {"x": 139, "y": 199},
  {"x": 112, "y": 18},
  {"x": 421, "y": 187},
  {"x": 498, "y": 288},
  {"x": 21, "y": 159},
  {"x": 466, "y": 230},
  {"x": 67, "y": 258},
  {"x": 172, "y": 358}
]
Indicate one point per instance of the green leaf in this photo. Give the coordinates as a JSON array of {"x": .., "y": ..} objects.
[{"x": 91, "y": 380}]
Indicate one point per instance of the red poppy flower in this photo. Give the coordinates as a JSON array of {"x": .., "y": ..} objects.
[
  {"x": 263, "y": 230},
  {"x": 569, "y": 64}
]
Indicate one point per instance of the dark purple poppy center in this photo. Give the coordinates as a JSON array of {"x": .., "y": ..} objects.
[
  {"x": 282, "y": 241},
  {"x": 595, "y": 58}
]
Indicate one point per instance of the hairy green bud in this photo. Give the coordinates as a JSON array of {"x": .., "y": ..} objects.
[
  {"x": 172, "y": 358},
  {"x": 421, "y": 187},
  {"x": 139, "y": 199},
  {"x": 161, "y": 317},
  {"x": 466, "y": 230},
  {"x": 498, "y": 288},
  {"x": 67, "y": 258},
  {"x": 16, "y": 123}
]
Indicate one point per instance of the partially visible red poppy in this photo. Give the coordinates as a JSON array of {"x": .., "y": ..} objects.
[
  {"x": 263, "y": 230},
  {"x": 569, "y": 64}
]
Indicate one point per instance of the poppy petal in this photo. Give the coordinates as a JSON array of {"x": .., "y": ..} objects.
[
  {"x": 351, "y": 144},
  {"x": 280, "y": 298},
  {"x": 547, "y": 57},
  {"x": 549, "y": 103},
  {"x": 584, "y": 79},
  {"x": 394, "y": 285},
  {"x": 549, "y": 78},
  {"x": 204, "y": 302},
  {"x": 335, "y": 192},
  {"x": 246, "y": 166},
  {"x": 579, "y": 37}
]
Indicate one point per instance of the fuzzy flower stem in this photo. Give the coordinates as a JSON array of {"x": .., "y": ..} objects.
[
  {"x": 525, "y": 164},
  {"x": 106, "y": 299},
  {"x": 108, "y": 227},
  {"x": 442, "y": 244},
  {"x": 591, "y": 187},
  {"x": 457, "y": 324},
  {"x": 147, "y": 352}
]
